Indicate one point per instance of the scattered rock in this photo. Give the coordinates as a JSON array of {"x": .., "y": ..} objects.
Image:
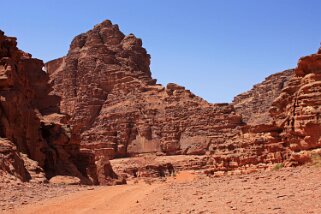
[{"x": 67, "y": 180}]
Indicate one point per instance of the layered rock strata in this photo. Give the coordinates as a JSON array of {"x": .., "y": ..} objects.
[
  {"x": 34, "y": 140},
  {"x": 297, "y": 110},
  {"x": 115, "y": 109},
  {"x": 254, "y": 105},
  {"x": 290, "y": 103},
  {"x": 118, "y": 110}
]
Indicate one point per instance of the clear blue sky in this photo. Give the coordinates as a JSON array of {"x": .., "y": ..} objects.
[{"x": 215, "y": 48}]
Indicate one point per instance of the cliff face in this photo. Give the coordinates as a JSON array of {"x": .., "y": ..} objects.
[
  {"x": 290, "y": 102},
  {"x": 34, "y": 142},
  {"x": 115, "y": 109},
  {"x": 297, "y": 109},
  {"x": 118, "y": 110},
  {"x": 254, "y": 105}
]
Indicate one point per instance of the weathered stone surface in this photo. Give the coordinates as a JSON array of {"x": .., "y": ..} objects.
[
  {"x": 106, "y": 174},
  {"x": 11, "y": 163},
  {"x": 254, "y": 105},
  {"x": 34, "y": 141},
  {"x": 150, "y": 165},
  {"x": 118, "y": 109},
  {"x": 115, "y": 109},
  {"x": 65, "y": 180},
  {"x": 297, "y": 109}
]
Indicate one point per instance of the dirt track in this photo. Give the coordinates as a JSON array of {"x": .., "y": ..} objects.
[
  {"x": 116, "y": 200},
  {"x": 295, "y": 190}
]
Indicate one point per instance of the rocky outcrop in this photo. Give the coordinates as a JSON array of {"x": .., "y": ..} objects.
[
  {"x": 34, "y": 141},
  {"x": 11, "y": 163},
  {"x": 113, "y": 108},
  {"x": 118, "y": 110},
  {"x": 65, "y": 180},
  {"x": 254, "y": 105},
  {"x": 297, "y": 110},
  {"x": 288, "y": 102}
]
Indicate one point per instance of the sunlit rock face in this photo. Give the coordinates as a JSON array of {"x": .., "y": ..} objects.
[
  {"x": 102, "y": 103},
  {"x": 116, "y": 107},
  {"x": 298, "y": 107},
  {"x": 254, "y": 105},
  {"x": 118, "y": 110}
]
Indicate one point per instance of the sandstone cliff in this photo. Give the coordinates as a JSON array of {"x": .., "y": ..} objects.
[
  {"x": 118, "y": 110},
  {"x": 254, "y": 105},
  {"x": 290, "y": 103},
  {"x": 297, "y": 109},
  {"x": 34, "y": 141},
  {"x": 113, "y": 108}
]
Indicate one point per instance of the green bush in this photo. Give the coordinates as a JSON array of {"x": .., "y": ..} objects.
[{"x": 278, "y": 166}]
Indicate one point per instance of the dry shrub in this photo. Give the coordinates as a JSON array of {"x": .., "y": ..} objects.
[
  {"x": 278, "y": 166},
  {"x": 316, "y": 160}
]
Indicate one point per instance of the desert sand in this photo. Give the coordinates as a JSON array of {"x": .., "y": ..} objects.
[{"x": 287, "y": 190}]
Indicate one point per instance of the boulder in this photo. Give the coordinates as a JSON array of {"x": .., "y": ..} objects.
[{"x": 65, "y": 180}]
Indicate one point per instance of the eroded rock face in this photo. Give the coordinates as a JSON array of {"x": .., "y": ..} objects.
[
  {"x": 11, "y": 163},
  {"x": 34, "y": 141},
  {"x": 115, "y": 109},
  {"x": 288, "y": 102},
  {"x": 65, "y": 180},
  {"x": 254, "y": 105},
  {"x": 118, "y": 109},
  {"x": 297, "y": 110}
]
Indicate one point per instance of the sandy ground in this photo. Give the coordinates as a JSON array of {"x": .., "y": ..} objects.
[
  {"x": 115, "y": 200},
  {"x": 13, "y": 195},
  {"x": 288, "y": 190},
  {"x": 296, "y": 190}
]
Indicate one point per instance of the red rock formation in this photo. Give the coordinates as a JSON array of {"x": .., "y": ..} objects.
[
  {"x": 297, "y": 109},
  {"x": 254, "y": 105},
  {"x": 11, "y": 163},
  {"x": 33, "y": 137},
  {"x": 118, "y": 110}
]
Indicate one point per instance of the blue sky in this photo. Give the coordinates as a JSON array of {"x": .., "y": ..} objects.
[{"x": 217, "y": 49}]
